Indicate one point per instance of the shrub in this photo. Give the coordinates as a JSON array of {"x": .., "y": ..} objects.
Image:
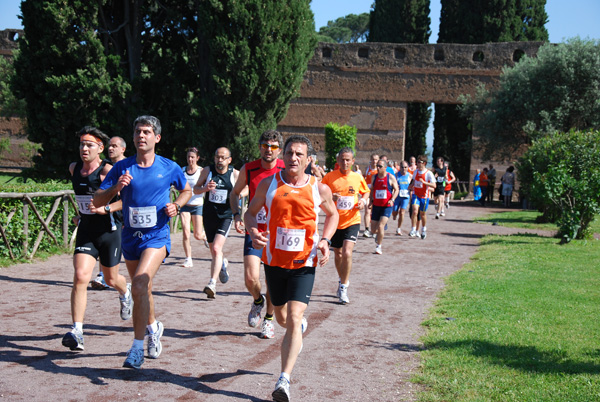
[{"x": 337, "y": 137}]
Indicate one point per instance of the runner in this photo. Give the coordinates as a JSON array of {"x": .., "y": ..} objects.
[
  {"x": 350, "y": 193},
  {"x": 292, "y": 199},
  {"x": 403, "y": 200},
  {"x": 191, "y": 213},
  {"x": 440, "y": 173},
  {"x": 423, "y": 180},
  {"x": 450, "y": 178},
  {"x": 98, "y": 234},
  {"x": 384, "y": 191},
  {"x": 144, "y": 181},
  {"x": 250, "y": 175},
  {"x": 116, "y": 151},
  {"x": 216, "y": 182},
  {"x": 370, "y": 171}
]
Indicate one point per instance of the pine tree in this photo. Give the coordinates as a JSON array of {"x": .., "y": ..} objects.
[
  {"x": 405, "y": 21},
  {"x": 475, "y": 21}
]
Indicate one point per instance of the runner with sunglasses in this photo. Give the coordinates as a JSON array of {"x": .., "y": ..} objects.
[{"x": 423, "y": 180}]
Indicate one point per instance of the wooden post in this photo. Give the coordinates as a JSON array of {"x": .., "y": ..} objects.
[
  {"x": 25, "y": 228},
  {"x": 65, "y": 222}
]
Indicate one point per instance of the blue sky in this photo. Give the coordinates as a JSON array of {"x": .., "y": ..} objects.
[{"x": 567, "y": 18}]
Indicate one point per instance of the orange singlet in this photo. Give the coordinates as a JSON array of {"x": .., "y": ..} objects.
[{"x": 292, "y": 218}]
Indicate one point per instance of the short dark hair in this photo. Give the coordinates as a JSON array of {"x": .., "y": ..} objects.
[
  {"x": 271, "y": 135},
  {"x": 148, "y": 121},
  {"x": 422, "y": 158},
  {"x": 299, "y": 139},
  {"x": 346, "y": 150},
  {"x": 96, "y": 133}
]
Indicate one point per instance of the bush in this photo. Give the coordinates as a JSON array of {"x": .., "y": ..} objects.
[
  {"x": 336, "y": 138},
  {"x": 560, "y": 173}
]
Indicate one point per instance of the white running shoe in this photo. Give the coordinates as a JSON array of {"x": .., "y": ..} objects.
[
  {"x": 98, "y": 283},
  {"x": 73, "y": 340},
  {"x": 135, "y": 358},
  {"x": 413, "y": 233},
  {"x": 267, "y": 329},
  {"x": 126, "y": 304},
  {"x": 154, "y": 344},
  {"x": 254, "y": 315},
  {"x": 344, "y": 295},
  {"x": 367, "y": 233},
  {"x": 423, "y": 234},
  {"x": 447, "y": 205},
  {"x": 443, "y": 213},
  {"x": 398, "y": 232},
  {"x": 210, "y": 290},
  {"x": 378, "y": 249},
  {"x": 187, "y": 263},
  {"x": 437, "y": 216},
  {"x": 224, "y": 275},
  {"x": 282, "y": 390}
]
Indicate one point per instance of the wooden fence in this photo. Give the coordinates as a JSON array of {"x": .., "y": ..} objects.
[{"x": 65, "y": 196}]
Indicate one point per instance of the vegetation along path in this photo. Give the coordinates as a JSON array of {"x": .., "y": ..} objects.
[{"x": 366, "y": 350}]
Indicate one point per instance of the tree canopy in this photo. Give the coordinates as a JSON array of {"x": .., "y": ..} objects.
[
  {"x": 215, "y": 72},
  {"x": 349, "y": 29}
]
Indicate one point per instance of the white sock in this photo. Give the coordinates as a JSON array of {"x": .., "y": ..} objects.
[
  {"x": 285, "y": 375},
  {"x": 78, "y": 326},
  {"x": 424, "y": 228},
  {"x": 212, "y": 281},
  {"x": 153, "y": 327},
  {"x": 414, "y": 228},
  {"x": 138, "y": 344},
  {"x": 345, "y": 285}
]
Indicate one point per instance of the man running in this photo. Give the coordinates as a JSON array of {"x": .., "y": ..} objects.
[
  {"x": 144, "y": 182},
  {"x": 450, "y": 178},
  {"x": 370, "y": 171},
  {"x": 350, "y": 194},
  {"x": 216, "y": 183},
  {"x": 291, "y": 242},
  {"x": 98, "y": 234},
  {"x": 440, "y": 173},
  {"x": 250, "y": 175},
  {"x": 403, "y": 200},
  {"x": 116, "y": 151},
  {"x": 384, "y": 190},
  {"x": 422, "y": 181}
]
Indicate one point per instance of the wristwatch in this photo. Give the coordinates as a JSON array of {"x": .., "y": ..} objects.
[
  {"x": 178, "y": 207},
  {"x": 107, "y": 208},
  {"x": 327, "y": 240}
]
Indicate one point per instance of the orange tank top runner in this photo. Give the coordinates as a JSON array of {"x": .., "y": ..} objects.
[
  {"x": 448, "y": 185},
  {"x": 369, "y": 174},
  {"x": 254, "y": 174},
  {"x": 292, "y": 218},
  {"x": 420, "y": 189},
  {"x": 382, "y": 190}
]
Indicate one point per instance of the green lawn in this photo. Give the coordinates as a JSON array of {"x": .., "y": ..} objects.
[{"x": 524, "y": 219}]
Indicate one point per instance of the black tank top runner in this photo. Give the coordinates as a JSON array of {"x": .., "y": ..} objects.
[
  {"x": 223, "y": 190},
  {"x": 440, "y": 173},
  {"x": 84, "y": 187}
]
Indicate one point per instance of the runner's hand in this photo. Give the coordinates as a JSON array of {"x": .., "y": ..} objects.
[
  {"x": 324, "y": 248},
  {"x": 124, "y": 180},
  {"x": 171, "y": 210},
  {"x": 259, "y": 239},
  {"x": 239, "y": 224}
]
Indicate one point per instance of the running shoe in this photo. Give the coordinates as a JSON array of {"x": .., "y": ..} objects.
[
  {"x": 443, "y": 214},
  {"x": 126, "y": 304},
  {"x": 267, "y": 329},
  {"x": 154, "y": 344},
  {"x": 398, "y": 232},
  {"x": 98, "y": 283},
  {"x": 282, "y": 390},
  {"x": 254, "y": 315},
  {"x": 339, "y": 292},
  {"x": 447, "y": 205},
  {"x": 423, "y": 234},
  {"x": 73, "y": 340},
  {"x": 187, "y": 263},
  {"x": 385, "y": 228},
  {"x": 210, "y": 290},
  {"x": 304, "y": 324},
  {"x": 224, "y": 275},
  {"x": 344, "y": 295},
  {"x": 413, "y": 233},
  {"x": 367, "y": 233},
  {"x": 378, "y": 249},
  {"x": 135, "y": 358},
  {"x": 437, "y": 216}
]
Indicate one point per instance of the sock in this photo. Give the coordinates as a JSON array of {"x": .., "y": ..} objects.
[
  {"x": 138, "y": 344},
  {"x": 414, "y": 228},
  {"x": 78, "y": 326},
  {"x": 424, "y": 228},
  {"x": 259, "y": 301},
  {"x": 212, "y": 282},
  {"x": 101, "y": 274},
  {"x": 285, "y": 375},
  {"x": 153, "y": 327},
  {"x": 345, "y": 285},
  {"x": 269, "y": 317}
]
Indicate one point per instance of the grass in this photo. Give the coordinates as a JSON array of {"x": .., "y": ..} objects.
[
  {"x": 526, "y": 220},
  {"x": 518, "y": 323}
]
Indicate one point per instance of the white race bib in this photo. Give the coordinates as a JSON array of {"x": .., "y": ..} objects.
[
  {"x": 261, "y": 217},
  {"x": 403, "y": 193},
  {"x": 218, "y": 196},
  {"x": 83, "y": 203},
  {"x": 441, "y": 179},
  {"x": 381, "y": 194},
  {"x": 418, "y": 184},
  {"x": 345, "y": 203},
  {"x": 142, "y": 217},
  {"x": 290, "y": 239}
]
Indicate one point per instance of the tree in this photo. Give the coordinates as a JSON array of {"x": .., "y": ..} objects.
[
  {"x": 559, "y": 89},
  {"x": 474, "y": 21},
  {"x": 214, "y": 72},
  {"x": 349, "y": 29},
  {"x": 405, "y": 21},
  {"x": 560, "y": 173},
  {"x": 10, "y": 106},
  {"x": 336, "y": 138}
]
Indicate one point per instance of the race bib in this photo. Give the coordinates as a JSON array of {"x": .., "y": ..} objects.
[
  {"x": 345, "y": 203},
  {"x": 403, "y": 193},
  {"x": 381, "y": 194},
  {"x": 290, "y": 239},
  {"x": 142, "y": 217},
  {"x": 261, "y": 217},
  {"x": 83, "y": 203},
  {"x": 441, "y": 179},
  {"x": 218, "y": 196},
  {"x": 418, "y": 184}
]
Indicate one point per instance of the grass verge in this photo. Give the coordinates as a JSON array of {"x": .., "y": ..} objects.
[
  {"x": 518, "y": 323},
  {"x": 526, "y": 220}
]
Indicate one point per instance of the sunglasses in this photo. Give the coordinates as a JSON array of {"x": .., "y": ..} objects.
[
  {"x": 420, "y": 161},
  {"x": 380, "y": 166},
  {"x": 272, "y": 147}
]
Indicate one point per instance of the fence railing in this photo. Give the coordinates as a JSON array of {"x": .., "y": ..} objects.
[{"x": 65, "y": 197}]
